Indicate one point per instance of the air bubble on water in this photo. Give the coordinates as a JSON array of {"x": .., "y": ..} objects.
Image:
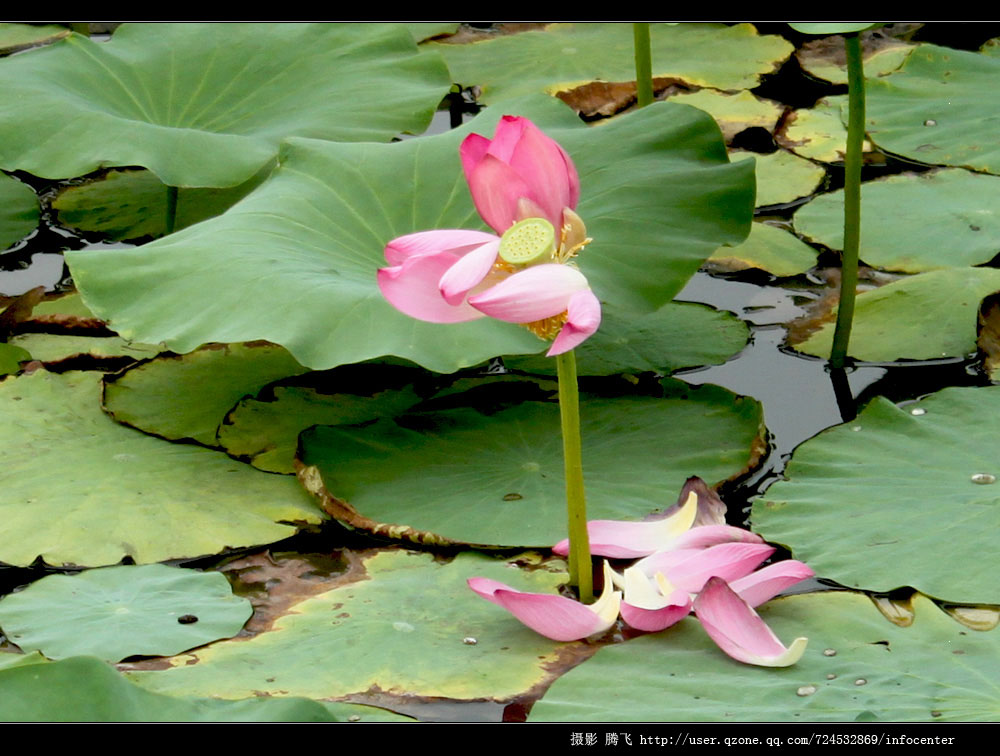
[
  {"x": 861, "y": 681},
  {"x": 469, "y": 640},
  {"x": 983, "y": 478},
  {"x": 855, "y": 427},
  {"x": 829, "y": 652},
  {"x": 930, "y": 122},
  {"x": 403, "y": 627},
  {"x": 806, "y": 690},
  {"x": 831, "y": 676},
  {"x": 918, "y": 411},
  {"x": 354, "y": 718}
]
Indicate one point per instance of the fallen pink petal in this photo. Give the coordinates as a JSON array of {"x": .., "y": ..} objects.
[
  {"x": 763, "y": 585},
  {"x": 690, "y": 569}
]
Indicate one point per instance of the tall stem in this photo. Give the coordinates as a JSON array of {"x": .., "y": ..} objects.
[
  {"x": 580, "y": 572},
  {"x": 852, "y": 201},
  {"x": 643, "y": 65}
]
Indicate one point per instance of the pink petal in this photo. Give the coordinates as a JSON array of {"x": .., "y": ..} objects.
[
  {"x": 472, "y": 151},
  {"x": 766, "y": 583},
  {"x": 739, "y": 631},
  {"x": 468, "y": 272},
  {"x": 555, "y": 617},
  {"x": 652, "y": 605},
  {"x": 496, "y": 188},
  {"x": 728, "y": 561},
  {"x": 547, "y": 170},
  {"x": 534, "y": 293},
  {"x": 412, "y": 288},
  {"x": 655, "y": 620},
  {"x": 712, "y": 535},
  {"x": 456, "y": 241},
  {"x": 583, "y": 319}
]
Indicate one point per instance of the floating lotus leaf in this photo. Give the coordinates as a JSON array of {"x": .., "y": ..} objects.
[
  {"x": 207, "y": 104},
  {"x": 939, "y": 108},
  {"x": 18, "y": 210},
  {"x": 14, "y": 37},
  {"x": 831, "y": 27},
  {"x": 99, "y": 491},
  {"x": 11, "y": 357},
  {"x": 818, "y": 133},
  {"x": 401, "y": 631},
  {"x": 826, "y": 58},
  {"x": 133, "y": 204},
  {"x": 915, "y": 222},
  {"x": 768, "y": 248},
  {"x": 187, "y": 396},
  {"x": 70, "y": 304},
  {"x": 115, "y": 612},
  {"x": 923, "y": 317},
  {"x": 881, "y": 502},
  {"x": 85, "y": 689},
  {"x": 51, "y": 348},
  {"x": 566, "y": 56},
  {"x": 678, "y": 335},
  {"x": 295, "y": 261},
  {"x": 267, "y": 431},
  {"x": 473, "y": 478},
  {"x": 733, "y": 112},
  {"x": 782, "y": 177},
  {"x": 857, "y": 667}
]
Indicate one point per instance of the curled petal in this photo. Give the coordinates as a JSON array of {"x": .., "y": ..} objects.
[
  {"x": 652, "y": 606},
  {"x": 555, "y": 617},
  {"x": 468, "y": 272},
  {"x": 739, "y": 631},
  {"x": 712, "y": 535},
  {"x": 583, "y": 316},
  {"x": 728, "y": 561},
  {"x": 495, "y": 189},
  {"x": 764, "y": 584},
  {"x": 454, "y": 240},
  {"x": 413, "y": 289},
  {"x": 620, "y": 539},
  {"x": 534, "y": 293}
]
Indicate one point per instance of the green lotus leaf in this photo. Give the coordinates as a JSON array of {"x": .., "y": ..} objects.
[
  {"x": 187, "y": 396},
  {"x": 18, "y": 210},
  {"x": 401, "y": 631},
  {"x": 939, "y": 108},
  {"x": 915, "y": 222},
  {"x": 819, "y": 132},
  {"x": 826, "y": 58},
  {"x": 86, "y": 689},
  {"x": 840, "y": 507},
  {"x": 11, "y": 355},
  {"x": 566, "y": 56},
  {"x": 475, "y": 478},
  {"x": 857, "y": 667},
  {"x": 832, "y": 27},
  {"x": 782, "y": 177},
  {"x": 115, "y": 612},
  {"x": 768, "y": 248},
  {"x": 266, "y": 431},
  {"x": 99, "y": 491},
  {"x": 207, "y": 104},
  {"x": 295, "y": 261},
  {"x": 733, "y": 112},
  {"x": 133, "y": 204},
  {"x": 924, "y": 317},
  {"x": 52, "y": 348},
  {"x": 14, "y": 37},
  {"x": 69, "y": 304},
  {"x": 678, "y": 335}
]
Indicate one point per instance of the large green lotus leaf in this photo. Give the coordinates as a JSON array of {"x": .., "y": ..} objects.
[
  {"x": 115, "y": 612},
  {"x": 86, "y": 689},
  {"x": 18, "y": 210},
  {"x": 133, "y": 204},
  {"x": 733, "y": 112},
  {"x": 207, "y": 104},
  {"x": 939, "y": 108},
  {"x": 781, "y": 176},
  {"x": 187, "y": 396},
  {"x": 498, "y": 480},
  {"x": 400, "y": 631},
  {"x": 933, "y": 670},
  {"x": 923, "y": 317},
  {"x": 295, "y": 262},
  {"x": 915, "y": 222},
  {"x": 52, "y": 348},
  {"x": 267, "y": 432},
  {"x": 566, "y": 56},
  {"x": 678, "y": 335},
  {"x": 891, "y": 499},
  {"x": 15, "y": 37},
  {"x": 99, "y": 491},
  {"x": 819, "y": 132},
  {"x": 826, "y": 58},
  {"x": 768, "y": 248}
]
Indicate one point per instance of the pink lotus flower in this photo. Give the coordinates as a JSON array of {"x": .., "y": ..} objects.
[
  {"x": 555, "y": 617},
  {"x": 525, "y": 187}
]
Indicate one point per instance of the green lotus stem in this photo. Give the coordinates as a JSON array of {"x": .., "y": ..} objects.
[
  {"x": 171, "y": 218},
  {"x": 852, "y": 201},
  {"x": 580, "y": 572},
  {"x": 643, "y": 65}
]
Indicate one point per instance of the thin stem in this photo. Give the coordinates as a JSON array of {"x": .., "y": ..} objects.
[
  {"x": 643, "y": 65},
  {"x": 171, "y": 217},
  {"x": 852, "y": 201},
  {"x": 580, "y": 571}
]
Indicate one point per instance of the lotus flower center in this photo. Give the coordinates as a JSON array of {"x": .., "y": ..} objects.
[{"x": 528, "y": 241}]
